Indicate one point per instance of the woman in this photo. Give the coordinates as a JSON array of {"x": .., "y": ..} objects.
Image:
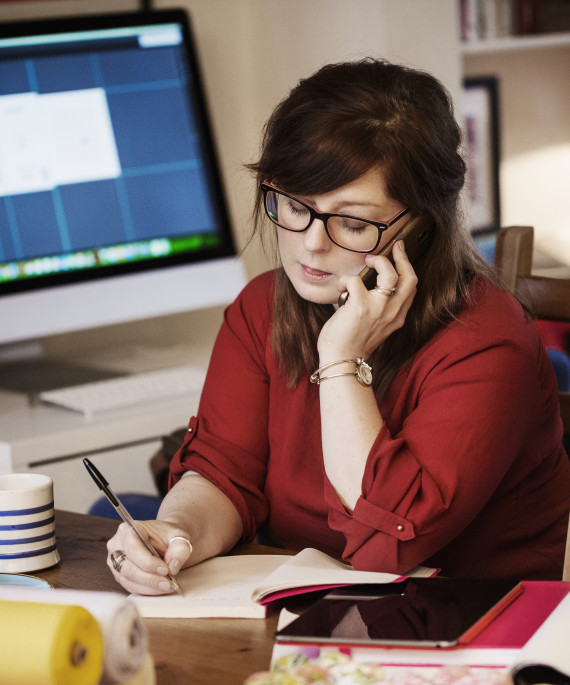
[{"x": 449, "y": 455}]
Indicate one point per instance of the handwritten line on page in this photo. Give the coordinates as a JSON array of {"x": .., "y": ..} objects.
[{"x": 240, "y": 586}]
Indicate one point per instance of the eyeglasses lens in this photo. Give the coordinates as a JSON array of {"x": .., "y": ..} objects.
[
  {"x": 287, "y": 212},
  {"x": 347, "y": 232},
  {"x": 353, "y": 234}
]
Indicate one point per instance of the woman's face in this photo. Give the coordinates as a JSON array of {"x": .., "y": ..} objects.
[{"x": 311, "y": 260}]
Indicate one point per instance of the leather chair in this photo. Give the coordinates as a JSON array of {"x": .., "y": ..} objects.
[{"x": 546, "y": 298}]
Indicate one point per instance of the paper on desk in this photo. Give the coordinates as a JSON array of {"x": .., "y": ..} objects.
[
  {"x": 550, "y": 645},
  {"x": 240, "y": 586},
  {"x": 285, "y": 618},
  {"x": 216, "y": 588},
  {"x": 311, "y": 570}
]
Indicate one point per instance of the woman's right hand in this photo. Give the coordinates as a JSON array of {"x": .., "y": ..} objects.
[
  {"x": 140, "y": 571},
  {"x": 369, "y": 316}
]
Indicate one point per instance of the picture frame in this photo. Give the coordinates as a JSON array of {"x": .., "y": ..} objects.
[{"x": 482, "y": 154}]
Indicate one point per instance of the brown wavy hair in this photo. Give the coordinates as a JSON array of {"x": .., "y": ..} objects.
[{"x": 333, "y": 127}]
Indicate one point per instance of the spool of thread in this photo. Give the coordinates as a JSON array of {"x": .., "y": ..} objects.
[
  {"x": 146, "y": 674},
  {"x": 50, "y": 644},
  {"x": 124, "y": 634}
]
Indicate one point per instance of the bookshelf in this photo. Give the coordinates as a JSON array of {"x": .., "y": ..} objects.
[
  {"x": 531, "y": 62},
  {"x": 498, "y": 23},
  {"x": 515, "y": 43}
]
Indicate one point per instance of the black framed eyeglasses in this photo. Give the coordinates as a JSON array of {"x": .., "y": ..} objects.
[{"x": 349, "y": 232}]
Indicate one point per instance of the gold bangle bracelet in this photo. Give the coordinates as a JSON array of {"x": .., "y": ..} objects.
[
  {"x": 320, "y": 379},
  {"x": 316, "y": 375},
  {"x": 362, "y": 371}
]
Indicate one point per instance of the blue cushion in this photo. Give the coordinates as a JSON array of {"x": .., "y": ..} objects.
[
  {"x": 561, "y": 364},
  {"x": 140, "y": 507}
]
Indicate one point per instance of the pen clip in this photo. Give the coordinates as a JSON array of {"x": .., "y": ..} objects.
[{"x": 100, "y": 481}]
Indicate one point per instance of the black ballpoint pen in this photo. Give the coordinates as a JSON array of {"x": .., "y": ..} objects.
[{"x": 103, "y": 485}]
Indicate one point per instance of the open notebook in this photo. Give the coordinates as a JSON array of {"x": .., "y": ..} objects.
[{"x": 242, "y": 586}]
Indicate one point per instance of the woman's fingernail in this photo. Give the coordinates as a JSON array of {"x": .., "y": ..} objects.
[
  {"x": 162, "y": 570},
  {"x": 174, "y": 566},
  {"x": 165, "y": 586}
]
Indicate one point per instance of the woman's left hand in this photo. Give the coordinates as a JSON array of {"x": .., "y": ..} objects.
[{"x": 370, "y": 316}]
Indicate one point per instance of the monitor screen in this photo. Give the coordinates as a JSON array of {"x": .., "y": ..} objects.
[{"x": 111, "y": 201}]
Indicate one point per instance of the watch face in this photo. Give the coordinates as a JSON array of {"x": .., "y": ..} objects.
[{"x": 365, "y": 373}]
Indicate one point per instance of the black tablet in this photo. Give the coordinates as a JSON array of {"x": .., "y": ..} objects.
[{"x": 417, "y": 612}]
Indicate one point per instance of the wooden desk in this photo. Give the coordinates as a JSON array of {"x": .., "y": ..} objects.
[{"x": 199, "y": 651}]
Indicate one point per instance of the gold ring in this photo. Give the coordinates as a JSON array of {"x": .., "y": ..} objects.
[
  {"x": 117, "y": 559},
  {"x": 186, "y": 540},
  {"x": 386, "y": 291}
]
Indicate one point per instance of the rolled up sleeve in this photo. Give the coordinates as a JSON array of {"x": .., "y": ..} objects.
[
  {"x": 449, "y": 438},
  {"x": 227, "y": 442}
]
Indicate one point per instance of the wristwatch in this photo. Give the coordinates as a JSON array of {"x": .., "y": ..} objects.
[{"x": 363, "y": 372}]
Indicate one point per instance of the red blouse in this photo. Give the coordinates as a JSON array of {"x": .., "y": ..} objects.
[{"x": 468, "y": 473}]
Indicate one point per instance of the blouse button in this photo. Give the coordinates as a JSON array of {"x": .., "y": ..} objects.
[{"x": 400, "y": 527}]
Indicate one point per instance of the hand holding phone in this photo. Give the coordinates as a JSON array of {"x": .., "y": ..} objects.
[{"x": 417, "y": 236}]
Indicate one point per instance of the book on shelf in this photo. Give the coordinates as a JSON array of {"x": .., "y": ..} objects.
[
  {"x": 244, "y": 586},
  {"x": 495, "y": 19},
  {"x": 518, "y": 638}
]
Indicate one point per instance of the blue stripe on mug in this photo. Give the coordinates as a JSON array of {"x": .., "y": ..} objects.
[
  {"x": 27, "y": 541},
  {"x": 33, "y": 553},
  {"x": 27, "y": 526},
  {"x": 27, "y": 512}
]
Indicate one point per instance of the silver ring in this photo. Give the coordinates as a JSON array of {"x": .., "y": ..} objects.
[
  {"x": 386, "y": 291},
  {"x": 117, "y": 558},
  {"x": 186, "y": 540}
]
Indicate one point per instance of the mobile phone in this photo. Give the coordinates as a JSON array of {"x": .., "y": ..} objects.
[
  {"x": 418, "y": 612},
  {"x": 417, "y": 235}
]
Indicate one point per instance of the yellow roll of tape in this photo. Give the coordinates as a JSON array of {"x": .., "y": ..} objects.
[{"x": 52, "y": 644}]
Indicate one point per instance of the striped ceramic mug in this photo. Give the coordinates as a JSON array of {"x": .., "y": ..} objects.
[{"x": 27, "y": 528}]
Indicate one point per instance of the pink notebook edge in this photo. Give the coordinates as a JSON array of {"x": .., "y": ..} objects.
[
  {"x": 305, "y": 589},
  {"x": 518, "y": 621}
]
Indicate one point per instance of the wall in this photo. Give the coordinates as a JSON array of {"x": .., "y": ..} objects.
[{"x": 534, "y": 92}]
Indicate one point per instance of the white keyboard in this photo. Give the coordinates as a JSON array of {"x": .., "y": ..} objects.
[{"x": 128, "y": 391}]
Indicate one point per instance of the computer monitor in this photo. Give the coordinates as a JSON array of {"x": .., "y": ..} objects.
[{"x": 111, "y": 202}]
